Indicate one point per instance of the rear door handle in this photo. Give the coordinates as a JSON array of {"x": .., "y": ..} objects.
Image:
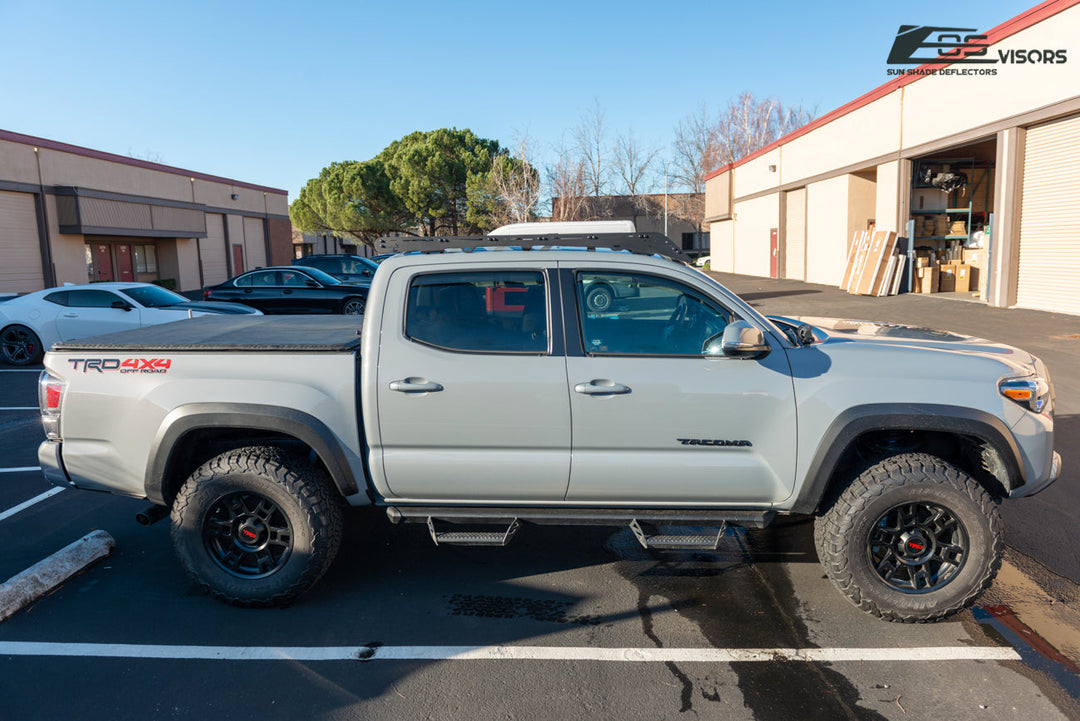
[
  {"x": 601, "y": 387},
  {"x": 415, "y": 385}
]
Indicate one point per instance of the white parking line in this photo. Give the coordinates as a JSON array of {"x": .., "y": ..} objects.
[
  {"x": 20, "y": 370},
  {"x": 23, "y": 506},
  {"x": 20, "y": 470},
  {"x": 20, "y": 408},
  {"x": 506, "y": 653}
]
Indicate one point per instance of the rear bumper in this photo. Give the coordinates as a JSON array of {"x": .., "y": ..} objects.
[{"x": 52, "y": 465}]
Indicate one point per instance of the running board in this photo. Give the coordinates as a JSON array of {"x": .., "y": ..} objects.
[
  {"x": 547, "y": 515},
  {"x": 472, "y": 538},
  {"x": 678, "y": 541}
]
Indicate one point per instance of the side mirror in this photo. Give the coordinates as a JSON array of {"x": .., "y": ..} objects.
[
  {"x": 742, "y": 340},
  {"x": 121, "y": 305},
  {"x": 311, "y": 284}
]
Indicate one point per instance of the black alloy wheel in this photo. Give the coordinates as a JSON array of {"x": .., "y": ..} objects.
[
  {"x": 917, "y": 547},
  {"x": 247, "y": 535},
  {"x": 20, "y": 346},
  {"x": 353, "y": 306}
]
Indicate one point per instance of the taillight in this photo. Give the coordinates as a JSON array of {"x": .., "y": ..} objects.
[
  {"x": 50, "y": 398},
  {"x": 206, "y": 293}
]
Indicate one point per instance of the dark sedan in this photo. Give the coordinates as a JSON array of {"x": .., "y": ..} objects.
[
  {"x": 346, "y": 268},
  {"x": 292, "y": 289}
]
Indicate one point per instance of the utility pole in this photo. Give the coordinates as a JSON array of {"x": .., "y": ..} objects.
[{"x": 665, "y": 198}]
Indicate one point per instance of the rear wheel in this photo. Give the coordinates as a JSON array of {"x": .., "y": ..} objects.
[
  {"x": 20, "y": 346},
  {"x": 353, "y": 306},
  {"x": 912, "y": 539},
  {"x": 257, "y": 526}
]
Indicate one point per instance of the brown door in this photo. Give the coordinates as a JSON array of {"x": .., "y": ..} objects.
[
  {"x": 102, "y": 262},
  {"x": 238, "y": 259},
  {"x": 124, "y": 263}
]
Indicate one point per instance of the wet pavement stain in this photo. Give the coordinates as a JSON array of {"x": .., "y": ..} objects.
[
  {"x": 1035, "y": 652},
  {"x": 749, "y": 602},
  {"x": 509, "y": 607}
]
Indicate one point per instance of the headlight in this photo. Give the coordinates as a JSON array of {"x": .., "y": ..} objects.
[{"x": 1032, "y": 392}]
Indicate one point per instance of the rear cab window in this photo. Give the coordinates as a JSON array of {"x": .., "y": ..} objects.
[{"x": 479, "y": 312}]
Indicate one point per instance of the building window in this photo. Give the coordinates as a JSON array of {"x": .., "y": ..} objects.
[{"x": 145, "y": 259}]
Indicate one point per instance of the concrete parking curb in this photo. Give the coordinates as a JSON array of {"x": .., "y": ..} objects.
[{"x": 43, "y": 577}]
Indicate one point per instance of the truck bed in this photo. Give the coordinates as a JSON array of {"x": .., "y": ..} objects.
[{"x": 292, "y": 333}]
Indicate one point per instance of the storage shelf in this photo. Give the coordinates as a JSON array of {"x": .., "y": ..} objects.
[{"x": 941, "y": 237}]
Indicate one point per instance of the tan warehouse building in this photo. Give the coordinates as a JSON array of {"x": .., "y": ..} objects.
[
  {"x": 71, "y": 214},
  {"x": 1004, "y": 136}
]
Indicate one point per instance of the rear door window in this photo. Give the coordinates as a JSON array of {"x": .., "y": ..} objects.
[{"x": 479, "y": 312}]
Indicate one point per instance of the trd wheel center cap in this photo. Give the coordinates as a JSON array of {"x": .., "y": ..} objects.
[
  {"x": 915, "y": 547},
  {"x": 251, "y": 534}
]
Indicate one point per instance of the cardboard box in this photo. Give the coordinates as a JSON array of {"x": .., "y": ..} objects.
[
  {"x": 947, "y": 279},
  {"x": 926, "y": 279},
  {"x": 922, "y": 261},
  {"x": 963, "y": 278}
]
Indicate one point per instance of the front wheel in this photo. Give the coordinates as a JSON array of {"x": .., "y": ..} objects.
[
  {"x": 912, "y": 539},
  {"x": 353, "y": 306},
  {"x": 20, "y": 346},
  {"x": 257, "y": 526}
]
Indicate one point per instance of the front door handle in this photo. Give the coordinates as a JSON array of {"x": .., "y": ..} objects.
[
  {"x": 601, "y": 387},
  {"x": 415, "y": 385}
]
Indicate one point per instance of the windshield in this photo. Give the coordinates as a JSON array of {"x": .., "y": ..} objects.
[
  {"x": 324, "y": 278},
  {"x": 153, "y": 296}
]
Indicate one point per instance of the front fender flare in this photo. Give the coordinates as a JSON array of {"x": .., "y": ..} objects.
[{"x": 855, "y": 421}]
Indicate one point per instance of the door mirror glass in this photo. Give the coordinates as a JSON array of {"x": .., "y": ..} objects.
[
  {"x": 713, "y": 345},
  {"x": 742, "y": 340}
]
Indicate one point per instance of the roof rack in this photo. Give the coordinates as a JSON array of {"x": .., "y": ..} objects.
[{"x": 638, "y": 243}]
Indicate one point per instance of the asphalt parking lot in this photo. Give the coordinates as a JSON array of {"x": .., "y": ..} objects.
[{"x": 564, "y": 623}]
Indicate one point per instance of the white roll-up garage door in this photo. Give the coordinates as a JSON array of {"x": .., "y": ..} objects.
[
  {"x": 20, "y": 247},
  {"x": 254, "y": 243},
  {"x": 1050, "y": 219},
  {"x": 795, "y": 234},
  {"x": 212, "y": 251}
]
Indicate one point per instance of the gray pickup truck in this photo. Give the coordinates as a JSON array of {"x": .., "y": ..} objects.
[{"x": 485, "y": 393}]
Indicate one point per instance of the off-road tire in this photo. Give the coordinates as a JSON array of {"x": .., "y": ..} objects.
[
  {"x": 305, "y": 500},
  {"x": 842, "y": 534}
]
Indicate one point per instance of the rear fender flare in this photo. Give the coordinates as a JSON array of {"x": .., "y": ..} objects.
[{"x": 242, "y": 416}]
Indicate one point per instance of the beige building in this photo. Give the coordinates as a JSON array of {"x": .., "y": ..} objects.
[
  {"x": 976, "y": 160},
  {"x": 71, "y": 214}
]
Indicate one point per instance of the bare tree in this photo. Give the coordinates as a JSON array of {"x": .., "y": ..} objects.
[
  {"x": 632, "y": 161},
  {"x": 517, "y": 184},
  {"x": 697, "y": 150},
  {"x": 567, "y": 184},
  {"x": 750, "y": 123},
  {"x": 704, "y": 142},
  {"x": 589, "y": 139}
]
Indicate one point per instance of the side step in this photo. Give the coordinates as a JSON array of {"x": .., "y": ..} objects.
[
  {"x": 678, "y": 542},
  {"x": 582, "y": 516},
  {"x": 472, "y": 538}
]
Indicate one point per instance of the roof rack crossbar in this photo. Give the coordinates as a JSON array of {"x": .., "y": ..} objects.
[{"x": 637, "y": 243}]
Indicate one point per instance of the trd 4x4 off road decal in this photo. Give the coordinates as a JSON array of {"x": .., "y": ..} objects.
[{"x": 128, "y": 365}]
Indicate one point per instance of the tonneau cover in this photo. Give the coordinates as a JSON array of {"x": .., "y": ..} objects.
[{"x": 297, "y": 333}]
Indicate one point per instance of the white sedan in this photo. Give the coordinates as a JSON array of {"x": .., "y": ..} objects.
[{"x": 31, "y": 323}]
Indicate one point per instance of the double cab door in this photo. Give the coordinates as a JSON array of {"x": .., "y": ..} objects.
[{"x": 577, "y": 385}]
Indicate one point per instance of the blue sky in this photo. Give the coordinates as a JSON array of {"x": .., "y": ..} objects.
[{"x": 271, "y": 92}]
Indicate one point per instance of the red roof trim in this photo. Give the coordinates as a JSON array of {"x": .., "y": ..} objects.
[
  {"x": 1010, "y": 27},
  {"x": 113, "y": 158}
]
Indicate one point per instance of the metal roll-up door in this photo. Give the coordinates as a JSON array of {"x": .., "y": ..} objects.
[
  {"x": 1050, "y": 219},
  {"x": 212, "y": 251},
  {"x": 254, "y": 242},
  {"x": 795, "y": 234},
  {"x": 20, "y": 246}
]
